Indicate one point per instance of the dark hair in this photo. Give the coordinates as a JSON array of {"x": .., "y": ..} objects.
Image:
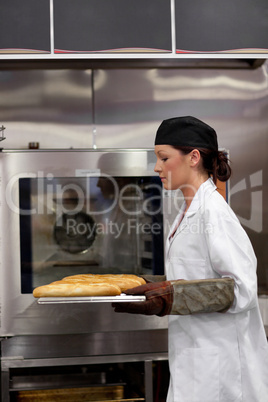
[{"x": 216, "y": 163}]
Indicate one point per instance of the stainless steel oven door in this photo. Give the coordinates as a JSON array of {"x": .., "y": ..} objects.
[{"x": 69, "y": 212}]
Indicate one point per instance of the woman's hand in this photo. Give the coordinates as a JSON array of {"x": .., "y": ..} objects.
[{"x": 159, "y": 299}]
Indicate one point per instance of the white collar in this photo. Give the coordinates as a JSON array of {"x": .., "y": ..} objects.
[{"x": 205, "y": 189}]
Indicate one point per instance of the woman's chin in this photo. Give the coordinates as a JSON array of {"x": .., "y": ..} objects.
[{"x": 167, "y": 186}]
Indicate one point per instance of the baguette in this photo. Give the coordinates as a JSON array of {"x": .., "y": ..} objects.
[
  {"x": 69, "y": 289},
  {"x": 124, "y": 281}
]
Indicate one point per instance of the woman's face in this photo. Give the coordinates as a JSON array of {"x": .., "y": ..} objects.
[{"x": 172, "y": 166}]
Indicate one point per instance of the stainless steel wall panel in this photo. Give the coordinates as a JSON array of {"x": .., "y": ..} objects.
[{"x": 52, "y": 107}]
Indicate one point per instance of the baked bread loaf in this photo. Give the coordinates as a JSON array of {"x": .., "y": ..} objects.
[
  {"x": 89, "y": 285},
  {"x": 69, "y": 289},
  {"x": 124, "y": 281}
]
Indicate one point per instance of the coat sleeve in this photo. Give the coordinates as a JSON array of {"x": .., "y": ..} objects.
[{"x": 231, "y": 255}]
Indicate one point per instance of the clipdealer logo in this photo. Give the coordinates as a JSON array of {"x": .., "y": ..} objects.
[
  {"x": 48, "y": 192},
  {"x": 108, "y": 227},
  {"x": 71, "y": 204},
  {"x": 253, "y": 185}
]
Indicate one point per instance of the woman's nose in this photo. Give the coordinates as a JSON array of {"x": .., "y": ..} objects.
[{"x": 157, "y": 168}]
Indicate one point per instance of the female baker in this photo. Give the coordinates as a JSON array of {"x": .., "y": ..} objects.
[{"x": 217, "y": 344}]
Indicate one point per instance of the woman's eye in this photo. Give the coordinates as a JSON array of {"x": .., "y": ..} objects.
[{"x": 164, "y": 159}]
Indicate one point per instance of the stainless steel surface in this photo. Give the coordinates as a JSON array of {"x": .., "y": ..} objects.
[
  {"x": 2, "y": 129},
  {"x": 27, "y": 352},
  {"x": 95, "y": 345},
  {"x": 191, "y": 62},
  {"x": 58, "y": 105},
  {"x": 23, "y": 354},
  {"x": 94, "y": 299},
  {"x": 149, "y": 380},
  {"x": 7, "y": 364}
]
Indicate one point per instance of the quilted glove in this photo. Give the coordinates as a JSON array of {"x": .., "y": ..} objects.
[{"x": 181, "y": 297}]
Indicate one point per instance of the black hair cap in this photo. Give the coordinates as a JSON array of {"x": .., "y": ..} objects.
[{"x": 186, "y": 131}]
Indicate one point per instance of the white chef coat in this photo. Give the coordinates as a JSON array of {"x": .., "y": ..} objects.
[{"x": 216, "y": 357}]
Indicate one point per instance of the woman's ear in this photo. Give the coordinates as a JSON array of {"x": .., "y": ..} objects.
[{"x": 194, "y": 157}]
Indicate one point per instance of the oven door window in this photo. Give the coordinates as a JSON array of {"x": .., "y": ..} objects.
[{"x": 89, "y": 225}]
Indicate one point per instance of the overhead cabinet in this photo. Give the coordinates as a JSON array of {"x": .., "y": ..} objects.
[
  {"x": 142, "y": 28},
  {"x": 25, "y": 26},
  {"x": 221, "y": 26},
  {"x": 112, "y": 26}
]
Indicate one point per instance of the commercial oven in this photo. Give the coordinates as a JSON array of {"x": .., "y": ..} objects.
[
  {"x": 70, "y": 212},
  {"x": 66, "y": 212}
]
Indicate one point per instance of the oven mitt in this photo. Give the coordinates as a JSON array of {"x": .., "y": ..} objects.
[
  {"x": 180, "y": 297},
  {"x": 153, "y": 278},
  {"x": 159, "y": 298}
]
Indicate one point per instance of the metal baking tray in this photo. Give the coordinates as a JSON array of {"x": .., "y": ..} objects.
[{"x": 91, "y": 299}]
